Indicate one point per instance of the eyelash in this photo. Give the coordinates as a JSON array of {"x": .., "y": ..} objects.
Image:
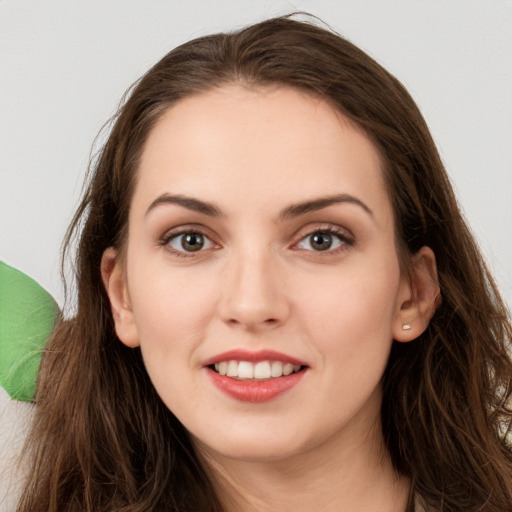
[
  {"x": 169, "y": 237},
  {"x": 332, "y": 231},
  {"x": 345, "y": 240}
]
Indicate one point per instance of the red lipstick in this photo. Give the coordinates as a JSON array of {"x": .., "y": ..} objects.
[{"x": 254, "y": 390}]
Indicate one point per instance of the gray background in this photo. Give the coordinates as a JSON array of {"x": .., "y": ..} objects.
[{"x": 64, "y": 66}]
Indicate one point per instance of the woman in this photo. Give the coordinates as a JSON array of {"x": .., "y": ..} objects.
[{"x": 279, "y": 303}]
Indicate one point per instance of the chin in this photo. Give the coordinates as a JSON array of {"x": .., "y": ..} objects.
[{"x": 256, "y": 445}]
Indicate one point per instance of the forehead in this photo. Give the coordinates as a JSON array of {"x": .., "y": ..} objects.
[{"x": 273, "y": 144}]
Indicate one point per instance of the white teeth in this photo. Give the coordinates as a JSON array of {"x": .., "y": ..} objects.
[
  {"x": 277, "y": 369},
  {"x": 260, "y": 371},
  {"x": 245, "y": 370},
  {"x": 232, "y": 369},
  {"x": 223, "y": 368},
  {"x": 287, "y": 369}
]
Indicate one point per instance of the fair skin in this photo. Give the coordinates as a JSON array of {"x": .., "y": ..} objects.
[{"x": 229, "y": 249}]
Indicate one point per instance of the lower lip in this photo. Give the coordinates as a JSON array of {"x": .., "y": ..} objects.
[{"x": 255, "y": 391}]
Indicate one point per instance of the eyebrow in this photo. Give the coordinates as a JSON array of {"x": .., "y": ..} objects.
[
  {"x": 313, "y": 205},
  {"x": 190, "y": 203},
  {"x": 292, "y": 211}
]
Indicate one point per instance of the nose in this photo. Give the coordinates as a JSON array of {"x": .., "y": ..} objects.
[{"x": 253, "y": 295}]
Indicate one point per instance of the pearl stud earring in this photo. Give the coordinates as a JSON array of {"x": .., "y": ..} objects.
[{"x": 406, "y": 327}]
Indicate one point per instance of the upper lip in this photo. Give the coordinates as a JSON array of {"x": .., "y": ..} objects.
[{"x": 253, "y": 357}]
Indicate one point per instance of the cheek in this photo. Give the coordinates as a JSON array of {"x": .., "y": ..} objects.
[
  {"x": 353, "y": 303},
  {"x": 172, "y": 312},
  {"x": 352, "y": 309},
  {"x": 172, "y": 309}
]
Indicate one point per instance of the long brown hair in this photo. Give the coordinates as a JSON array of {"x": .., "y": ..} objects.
[{"x": 103, "y": 440}]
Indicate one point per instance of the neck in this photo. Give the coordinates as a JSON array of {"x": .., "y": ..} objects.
[{"x": 334, "y": 476}]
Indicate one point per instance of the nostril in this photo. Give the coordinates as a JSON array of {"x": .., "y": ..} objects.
[{"x": 250, "y": 323}]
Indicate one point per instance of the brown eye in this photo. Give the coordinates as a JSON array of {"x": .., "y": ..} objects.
[
  {"x": 190, "y": 242},
  {"x": 322, "y": 241}
]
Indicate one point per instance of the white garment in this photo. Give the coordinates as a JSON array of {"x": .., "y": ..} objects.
[{"x": 15, "y": 418}]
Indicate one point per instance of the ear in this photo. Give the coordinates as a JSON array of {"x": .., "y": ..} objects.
[
  {"x": 419, "y": 296},
  {"x": 114, "y": 280}
]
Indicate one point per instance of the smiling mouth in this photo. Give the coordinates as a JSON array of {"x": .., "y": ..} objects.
[{"x": 262, "y": 370}]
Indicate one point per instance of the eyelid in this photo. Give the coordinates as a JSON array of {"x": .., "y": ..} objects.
[
  {"x": 173, "y": 233},
  {"x": 343, "y": 234}
]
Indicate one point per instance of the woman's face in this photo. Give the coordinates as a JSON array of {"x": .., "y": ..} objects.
[{"x": 261, "y": 242}]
